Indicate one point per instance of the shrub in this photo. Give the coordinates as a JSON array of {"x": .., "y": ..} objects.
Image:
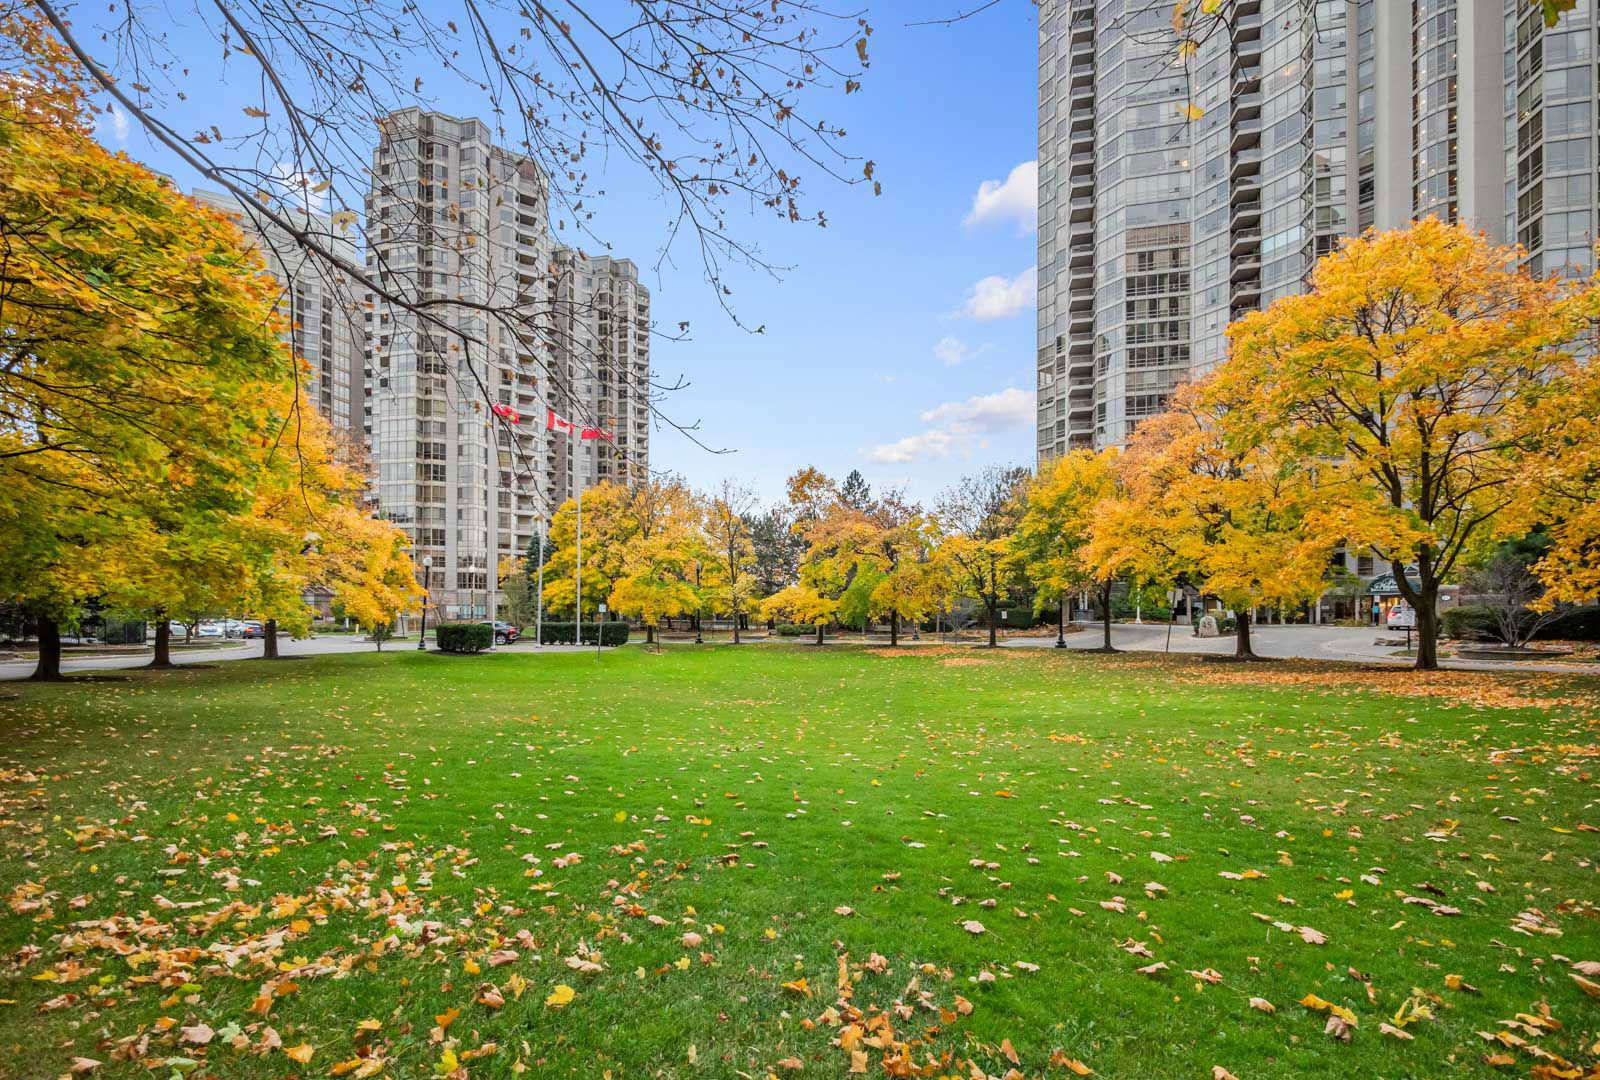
[
  {"x": 561, "y": 633},
  {"x": 795, "y": 630},
  {"x": 1475, "y": 622},
  {"x": 1155, "y": 611},
  {"x": 1469, "y": 622},
  {"x": 1579, "y": 624},
  {"x": 380, "y": 633},
  {"x": 463, "y": 637}
]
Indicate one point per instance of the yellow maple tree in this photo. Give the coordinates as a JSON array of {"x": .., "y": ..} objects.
[{"x": 1400, "y": 387}]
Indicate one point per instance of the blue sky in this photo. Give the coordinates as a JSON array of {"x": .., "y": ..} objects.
[{"x": 900, "y": 343}]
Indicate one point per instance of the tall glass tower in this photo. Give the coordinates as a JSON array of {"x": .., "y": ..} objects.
[{"x": 1177, "y": 193}]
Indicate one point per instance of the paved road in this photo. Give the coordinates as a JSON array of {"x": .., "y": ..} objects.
[
  {"x": 1346, "y": 643},
  {"x": 250, "y": 650}
]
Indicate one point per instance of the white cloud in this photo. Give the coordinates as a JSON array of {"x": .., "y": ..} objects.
[
  {"x": 120, "y": 124},
  {"x": 1010, "y": 408},
  {"x": 1016, "y": 198},
  {"x": 959, "y": 427},
  {"x": 930, "y": 444},
  {"x": 952, "y": 351},
  {"x": 1000, "y": 297}
]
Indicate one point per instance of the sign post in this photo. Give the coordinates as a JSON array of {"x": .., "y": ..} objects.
[{"x": 1403, "y": 617}]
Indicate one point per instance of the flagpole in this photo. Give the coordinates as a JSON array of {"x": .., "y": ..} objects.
[
  {"x": 577, "y": 594},
  {"x": 492, "y": 577},
  {"x": 538, "y": 602}
]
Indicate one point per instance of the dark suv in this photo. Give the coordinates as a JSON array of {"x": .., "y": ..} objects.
[{"x": 504, "y": 633}]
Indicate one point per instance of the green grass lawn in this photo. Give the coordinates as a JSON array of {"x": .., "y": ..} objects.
[{"x": 727, "y": 862}]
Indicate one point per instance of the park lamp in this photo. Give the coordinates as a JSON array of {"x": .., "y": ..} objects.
[{"x": 427, "y": 581}]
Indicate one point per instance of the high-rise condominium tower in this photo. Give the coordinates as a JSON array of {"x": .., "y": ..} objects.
[
  {"x": 1317, "y": 119},
  {"x": 601, "y": 315},
  {"x": 325, "y": 327},
  {"x": 455, "y": 219}
]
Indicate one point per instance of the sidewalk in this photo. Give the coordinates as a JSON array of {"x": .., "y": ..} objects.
[{"x": 1349, "y": 644}]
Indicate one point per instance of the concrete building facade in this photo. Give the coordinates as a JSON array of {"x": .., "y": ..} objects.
[
  {"x": 1315, "y": 120},
  {"x": 452, "y": 216},
  {"x": 326, "y": 329},
  {"x": 601, "y": 377}
]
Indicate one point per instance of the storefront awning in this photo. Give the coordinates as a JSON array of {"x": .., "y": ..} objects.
[{"x": 1384, "y": 585}]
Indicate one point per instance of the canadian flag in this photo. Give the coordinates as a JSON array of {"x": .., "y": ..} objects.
[
  {"x": 507, "y": 412},
  {"x": 553, "y": 422}
]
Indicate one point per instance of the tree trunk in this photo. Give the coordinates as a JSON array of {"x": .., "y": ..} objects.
[
  {"x": 650, "y": 635},
  {"x": 1241, "y": 647},
  {"x": 49, "y": 666},
  {"x": 1105, "y": 617},
  {"x": 994, "y": 617},
  {"x": 894, "y": 627},
  {"x": 1428, "y": 629},
  {"x": 269, "y": 640},
  {"x": 163, "y": 654},
  {"x": 1424, "y": 600},
  {"x": 819, "y": 633},
  {"x": 736, "y": 626}
]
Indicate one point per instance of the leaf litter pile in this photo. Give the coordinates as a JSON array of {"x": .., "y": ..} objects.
[{"x": 775, "y": 862}]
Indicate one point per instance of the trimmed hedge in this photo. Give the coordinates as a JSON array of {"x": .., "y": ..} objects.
[
  {"x": 1579, "y": 624},
  {"x": 560, "y": 633},
  {"x": 795, "y": 630},
  {"x": 1474, "y": 622},
  {"x": 1470, "y": 622},
  {"x": 463, "y": 637}
]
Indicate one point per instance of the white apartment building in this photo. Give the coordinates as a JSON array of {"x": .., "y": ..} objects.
[
  {"x": 451, "y": 217},
  {"x": 1321, "y": 118},
  {"x": 326, "y": 331},
  {"x": 601, "y": 315}
]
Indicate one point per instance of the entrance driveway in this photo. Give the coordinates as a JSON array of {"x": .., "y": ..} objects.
[
  {"x": 249, "y": 650},
  {"x": 1346, "y": 643}
]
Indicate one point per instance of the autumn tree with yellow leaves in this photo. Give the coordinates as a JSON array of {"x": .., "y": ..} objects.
[
  {"x": 135, "y": 330},
  {"x": 1237, "y": 517},
  {"x": 1557, "y": 475},
  {"x": 725, "y": 532},
  {"x": 1061, "y": 508},
  {"x": 1403, "y": 387},
  {"x": 661, "y": 556},
  {"x": 148, "y": 403},
  {"x": 978, "y": 517}
]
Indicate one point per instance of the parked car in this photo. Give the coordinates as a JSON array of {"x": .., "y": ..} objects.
[
  {"x": 231, "y": 627},
  {"x": 208, "y": 630},
  {"x": 504, "y": 633},
  {"x": 252, "y": 629}
]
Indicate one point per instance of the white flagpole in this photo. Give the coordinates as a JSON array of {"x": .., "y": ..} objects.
[
  {"x": 577, "y": 598},
  {"x": 538, "y": 601},
  {"x": 492, "y": 578}
]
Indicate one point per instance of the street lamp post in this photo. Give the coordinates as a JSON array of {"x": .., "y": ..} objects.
[
  {"x": 427, "y": 581},
  {"x": 599, "y": 628},
  {"x": 1061, "y": 622}
]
